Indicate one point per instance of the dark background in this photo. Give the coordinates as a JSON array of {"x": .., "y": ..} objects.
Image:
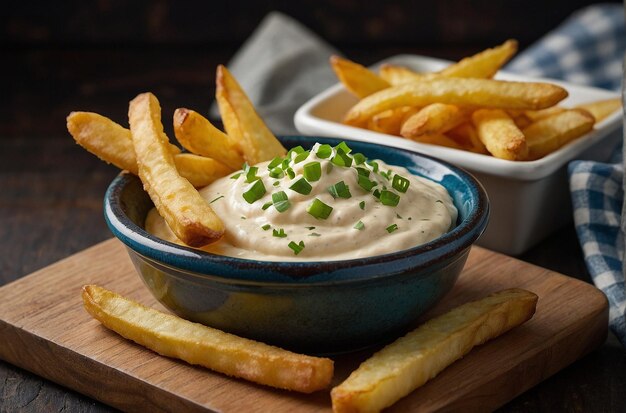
[{"x": 97, "y": 55}]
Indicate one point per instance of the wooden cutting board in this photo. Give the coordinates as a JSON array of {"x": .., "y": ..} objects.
[{"x": 44, "y": 329}]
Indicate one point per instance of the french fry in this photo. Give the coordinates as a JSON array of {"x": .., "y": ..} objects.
[
  {"x": 602, "y": 108},
  {"x": 412, "y": 360},
  {"x": 535, "y": 115},
  {"x": 186, "y": 212},
  {"x": 438, "y": 139},
  {"x": 399, "y": 75},
  {"x": 497, "y": 131},
  {"x": 198, "y": 135},
  {"x": 390, "y": 121},
  {"x": 194, "y": 343},
  {"x": 435, "y": 118},
  {"x": 466, "y": 135},
  {"x": 458, "y": 91},
  {"x": 113, "y": 144},
  {"x": 550, "y": 133},
  {"x": 358, "y": 79},
  {"x": 484, "y": 64},
  {"x": 242, "y": 123}
]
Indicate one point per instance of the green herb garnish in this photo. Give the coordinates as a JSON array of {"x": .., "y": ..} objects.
[
  {"x": 251, "y": 173},
  {"x": 359, "y": 225},
  {"x": 324, "y": 151},
  {"x": 219, "y": 197},
  {"x": 340, "y": 190},
  {"x": 266, "y": 227},
  {"x": 391, "y": 228},
  {"x": 312, "y": 171},
  {"x": 400, "y": 183},
  {"x": 297, "y": 150},
  {"x": 359, "y": 158},
  {"x": 266, "y": 205},
  {"x": 344, "y": 147},
  {"x": 275, "y": 162},
  {"x": 301, "y": 157},
  {"x": 254, "y": 192},
  {"x": 365, "y": 183},
  {"x": 281, "y": 201},
  {"x": 290, "y": 173},
  {"x": 277, "y": 173},
  {"x": 389, "y": 198},
  {"x": 342, "y": 158},
  {"x": 279, "y": 233},
  {"x": 301, "y": 186},
  {"x": 319, "y": 210},
  {"x": 362, "y": 205},
  {"x": 235, "y": 176},
  {"x": 297, "y": 248}
]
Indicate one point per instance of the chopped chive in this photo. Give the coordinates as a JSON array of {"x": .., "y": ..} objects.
[
  {"x": 312, "y": 171},
  {"x": 285, "y": 164},
  {"x": 266, "y": 227},
  {"x": 266, "y": 205},
  {"x": 340, "y": 190},
  {"x": 374, "y": 165},
  {"x": 242, "y": 217},
  {"x": 290, "y": 173},
  {"x": 281, "y": 201},
  {"x": 301, "y": 186},
  {"x": 310, "y": 228},
  {"x": 254, "y": 192},
  {"x": 297, "y": 248},
  {"x": 275, "y": 162},
  {"x": 341, "y": 158},
  {"x": 376, "y": 194},
  {"x": 301, "y": 157},
  {"x": 389, "y": 198},
  {"x": 251, "y": 174},
  {"x": 297, "y": 150},
  {"x": 277, "y": 173},
  {"x": 235, "y": 176},
  {"x": 344, "y": 147},
  {"x": 276, "y": 183},
  {"x": 219, "y": 197},
  {"x": 363, "y": 171},
  {"x": 400, "y": 183},
  {"x": 314, "y": 234},
  {"x": 319, "y": 210},
  {"x": 386, "y": 175},
  {"x": 365, "y": 183},
  {"x": 391, "y": 228},
  {"x": 359, "y": 158},
  {"x": 329, "y": 167},
  {"x": 362, "y": 205},
  {"x": 280, "y": 233},
  {"x": 324, "y": 151},
  {"x": 359, "y": 225}
]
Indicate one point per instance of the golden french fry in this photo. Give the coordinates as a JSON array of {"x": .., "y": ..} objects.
[
  {"x": 438, "y": 139},
  {"x": 484, "y": 64},
  {"x": 242, "y": 123},
  {"x": 549, "y": 134},
  {"x": 398, "y": 75},
  {"x": 186, "y": 212},
  {"x": 601, "y": 108},
  {"x": 466, "y": 135},
  {"x": 113, "y": 143},
  {"x": 435, "y": 118},
  {"x": 458, "y": 91},
  {"x": 200, "y": 170},
  {"x": 535, "y": 115},
  {"x": 497, "y": 131},
  {"x": 357, "y": 78},
  {"x": 390, "y": 121},
  {"x": 412, "y": 360},
  {"x": 195, "y": 343},
  {"x": 198, "y": 135}
]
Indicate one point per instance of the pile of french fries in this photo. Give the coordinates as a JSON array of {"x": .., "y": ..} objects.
[
  {"x": 462, "y": 107},
  {"x": 171, "y": 178}
]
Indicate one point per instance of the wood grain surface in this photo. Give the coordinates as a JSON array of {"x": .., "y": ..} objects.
[{"x": 44, "y": 329}]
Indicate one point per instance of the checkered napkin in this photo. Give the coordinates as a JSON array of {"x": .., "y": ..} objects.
[{"x": 588, "y": 48}]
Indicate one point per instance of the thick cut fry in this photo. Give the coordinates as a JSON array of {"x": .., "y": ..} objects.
[
  {"x": 196, "y": 134},
  {"x": 601, "y": 108},
  {"x": 466, "y": 135},
  {"x": 357, "y": 78},
  {"x": 484, "y": 64},
  {"x": 438, "y": 139},
  {"x": 435, "y": 118},
  {"x": 242, "y": 123},
  {"x": 113, "y": 143},
  {"x": 497, "y": 131},
  {"x": 399, "y": 75},
  {"x": 412, "y": 360},
  {"x": 550, "y": 133},
  {"x": 535, "y": 115},
  {"x": 194, "y": 343},
  {"x": 390, "y": 121},
  {"x": 186, "y": 212},
  {"x": 457, "y": 91}
]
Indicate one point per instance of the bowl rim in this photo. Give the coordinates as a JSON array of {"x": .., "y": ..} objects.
[{"x": 190, "y": 260}]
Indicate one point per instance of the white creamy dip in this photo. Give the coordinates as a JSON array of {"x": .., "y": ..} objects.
[{"x": 362, "y": 223}]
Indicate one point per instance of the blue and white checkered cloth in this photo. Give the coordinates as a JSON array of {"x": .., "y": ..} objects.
[{"x": 588, "y": 49}]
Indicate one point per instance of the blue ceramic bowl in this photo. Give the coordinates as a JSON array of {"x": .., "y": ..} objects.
[{"x": 316, "y": 307}]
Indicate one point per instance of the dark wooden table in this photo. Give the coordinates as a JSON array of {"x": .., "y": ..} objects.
[{"x": 51, "y": 194}]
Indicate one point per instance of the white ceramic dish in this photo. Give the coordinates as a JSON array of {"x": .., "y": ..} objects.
[{"x": 529, "y": 200}]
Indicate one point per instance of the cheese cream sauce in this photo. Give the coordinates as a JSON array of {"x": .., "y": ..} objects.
[{"x": 362, "y": 222}]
